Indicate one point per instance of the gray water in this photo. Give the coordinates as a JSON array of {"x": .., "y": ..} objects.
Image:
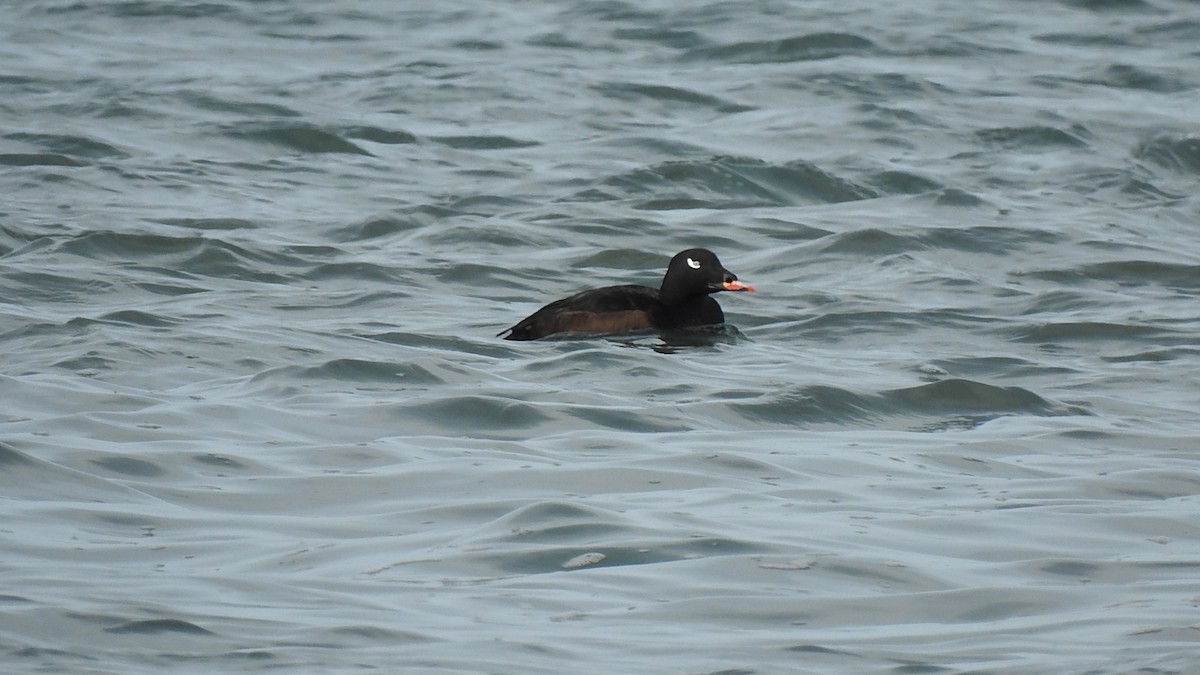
[{"x": 253, "y": 257}]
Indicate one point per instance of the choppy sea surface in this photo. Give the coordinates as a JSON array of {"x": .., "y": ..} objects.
[{"x": 255, "y": 418}]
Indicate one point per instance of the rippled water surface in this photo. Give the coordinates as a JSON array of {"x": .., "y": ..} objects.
[{"x": 254, "y": 255}]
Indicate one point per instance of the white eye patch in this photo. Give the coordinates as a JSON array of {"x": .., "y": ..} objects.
[{"x": 694, "y": 264}]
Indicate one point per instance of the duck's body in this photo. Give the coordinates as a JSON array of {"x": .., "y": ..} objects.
[{"x": 683, "y": 301}]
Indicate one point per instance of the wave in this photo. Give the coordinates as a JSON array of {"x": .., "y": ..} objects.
[
  {"x": 725, "y": 182},
  {"x": 946, "y": 404},
  {"x": 810, "y": 47}
]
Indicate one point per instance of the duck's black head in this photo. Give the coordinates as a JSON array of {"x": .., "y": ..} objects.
[{"x": 695, "y": 272}]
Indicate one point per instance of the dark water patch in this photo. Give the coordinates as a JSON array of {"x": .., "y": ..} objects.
[
  {"x": 1033, "y": 137},
  {"x": 730, "y": 464},
  {"x": 553, "y": 520},
  {"x": 957, "y": 47},
  {"x": 168, "y": 290},
  {"x": 801, "y": 181},
  {"x": 1149, "y": 484},
  {"x": 355, "y": 371},
  {"x": 892, "y": 125},
  {"x": 605, "y": 226},
  {"x": 1138, "y": 6},
  {"x": 218, "y": 461},
  {"x": 1152, "y": 356},
  {"x": 1051, "y": 302},
  {"x": 473, "y": 414},
  {"x": 1122, "y": 76},
  {"x": 1102, "y": 40},
  {"x": 573, "y": 354},
  {"x": 376, "y": 227},
  {"x": 10, "y": 456},
  {"x": 671, "y": 96},
  {"x": 479, "y": 45},
  {"x": 144, "y": 9},
  {"x": 811, "y": 47},
  {"x": 38, "y": 159},
  {"x": 1119, "y": 185},
  {"x": 612, "y": 10},
  {"x": 361, "y": 271},
  {"x": 229, "y": 262},
  {"x": 142, "y": 247},
  {"x": 16, "y": 240},
  {"x": 485, "y": 345},
  {"x": 72, "y": 328},
  {"x": 804, "y": 406},
  {"x": 991, "y": 366},
  {"x": 1129, "y": 273},
  {"x": 552, "y": 40},
  {"x": 130, "y": 466},
  {"x": 145, "y": 525},
  {"x": 662, "y": 342},
  {"x": 133, "y": 317},
  {"x": 676, "y": 341},
  {"x": 207, "y": 100},
  {"x": 708, "y": 546},
  {"x": 1087, "y": 434},
  {"x": 818, "y": 649},
  {"x": 473, "y": 275},
  {"x": 381, "y": 136},
  {"x": 725, "y": 182},
  {"x": 552, "y": 559},
  {"x": 378, "y": 635},
  {"x": 786, "y": 230},
  {"x": 1000, "y": 610},
  {"x": 70, "y": 146},
  {"x": 667, "y": 37},
  {"x": 486, "y": 205},
  {"x": 90, "y": 363},
  {"x": 95, "y": 619},
  {"x": 871, "y": 242},
  {"x": 313, "y": 251},
  {"x": 902, "y": 183},
  {"x": 299, "y": 138},
  {"x": 158, "y": 626},
  {"x": 1082, "y": 331},
  {"x": 204, "y": 224},
  {"x": 955, "y": 396},
  {"x": 622, "y": 259},
  {"x": 629, "y": 420},
  {"x": 988, "y": 239},
  {"x": 398, "y": 220},
  {"x": 483, "y": 142},
  {"x": 657, "y": 146},
  {"x": 956, "y": 197},
  {"x": 1184, "y": 28},
  {"x": 254, "y": 655},
  {"x": 31, "y": 479},
  {"x": 1136, "y": 188},
  {"x": 881, "y": 91},
  {"x": 1176, "y": 152},
  {"x": 53, "y": 656},
  {"x": 840, "y": 324},
  {"x": 469, "y": 232}
]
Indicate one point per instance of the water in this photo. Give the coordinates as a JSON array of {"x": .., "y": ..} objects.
[{"x": 253, "y": 257}]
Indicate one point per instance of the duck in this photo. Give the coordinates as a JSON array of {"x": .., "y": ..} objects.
[{"x": 683, "y": 300}]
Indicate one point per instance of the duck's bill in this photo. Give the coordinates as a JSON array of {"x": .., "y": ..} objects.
[{"x": 737, "y": 286}]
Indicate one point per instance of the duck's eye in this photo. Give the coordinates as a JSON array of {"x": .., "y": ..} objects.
[{"x": 694, "y": 264}]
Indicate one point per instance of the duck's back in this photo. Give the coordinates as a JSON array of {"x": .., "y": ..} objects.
[{"x": 612, "y": 309}]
